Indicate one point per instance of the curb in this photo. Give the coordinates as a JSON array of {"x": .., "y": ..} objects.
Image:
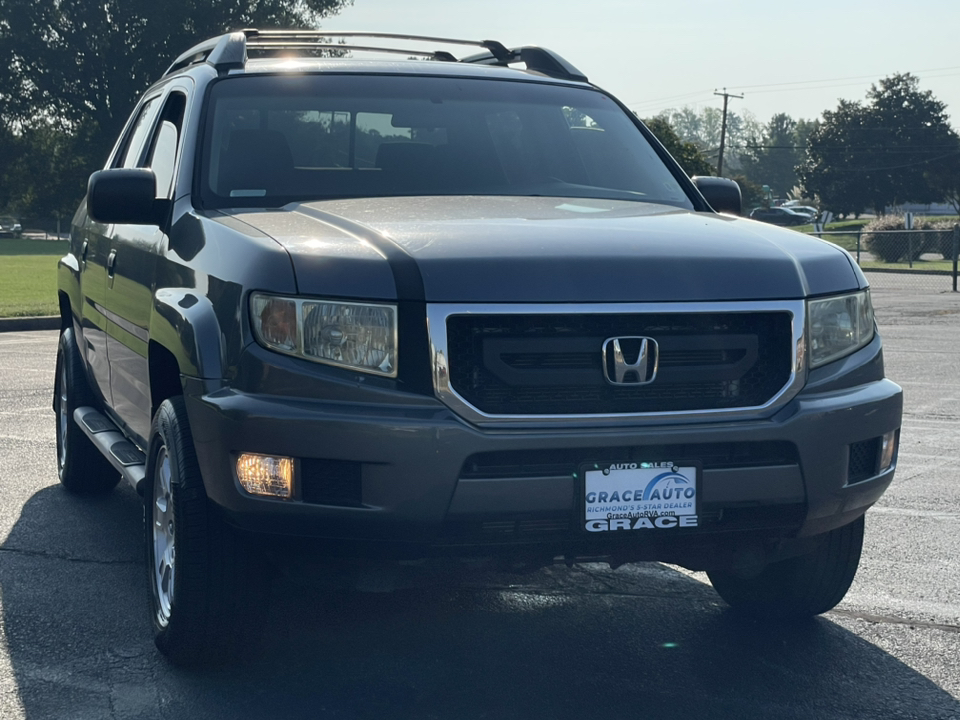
[{"x": 26, "y": 324}]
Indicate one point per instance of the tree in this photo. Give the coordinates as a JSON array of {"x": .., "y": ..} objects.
[
  {"x": 9, "y": 152},
  {"x": 750, "y": 192},
  {"x": 77, "y": 68},
  {"x": 702, "y": 128},
  {"x": 896, "y": 148},
  {"x": 834, "y": 153},
  {"x": 687, "y": 154},
  {"x": 51, "y": 171},
  {"x": 772, "y": 158}
]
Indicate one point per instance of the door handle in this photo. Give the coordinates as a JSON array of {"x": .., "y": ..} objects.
[
  {"x": 83, "y": 251},
  {"x": 111, "y": 262}
]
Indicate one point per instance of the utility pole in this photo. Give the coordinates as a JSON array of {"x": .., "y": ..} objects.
[{"x": 723, "y": 126}]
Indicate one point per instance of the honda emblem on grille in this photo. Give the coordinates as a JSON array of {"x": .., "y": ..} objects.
[{"x": 630, "y": 360}]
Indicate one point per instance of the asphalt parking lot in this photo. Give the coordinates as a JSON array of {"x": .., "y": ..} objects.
[{"x": 454, "y": 641}]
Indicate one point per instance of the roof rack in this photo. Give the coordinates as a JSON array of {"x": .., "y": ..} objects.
[{"x": 229, "y": 51}]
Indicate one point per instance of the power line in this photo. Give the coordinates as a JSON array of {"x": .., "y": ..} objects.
[
  {"x": 895, "y": 167},
  {"x": 640, "y": 103},
  {"x": 790, "y": 86},
  {"x": 831, "y": 80},
  {"x": 827, "y": 87}
]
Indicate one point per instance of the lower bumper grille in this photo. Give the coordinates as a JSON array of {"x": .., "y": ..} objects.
[
  {"x": 330, "y": 482},
  {"x": 864, "y": 459},
  {"x": 565, "y": 461}
]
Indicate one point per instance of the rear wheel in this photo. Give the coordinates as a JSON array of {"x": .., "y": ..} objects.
[
  {"x": 205, "y": 588},
  {"x": 801, "y": 586},
  {"x": 80, "y": 465}
]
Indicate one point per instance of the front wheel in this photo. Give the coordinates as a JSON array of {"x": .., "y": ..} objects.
[
  {"x": 202, "y": 582},
  {"x": 801, "y": 586}
]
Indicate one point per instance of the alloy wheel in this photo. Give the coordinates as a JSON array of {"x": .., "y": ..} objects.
[
  {"x": 164, "y": 538},
  {"x": 62, "y": 416}
]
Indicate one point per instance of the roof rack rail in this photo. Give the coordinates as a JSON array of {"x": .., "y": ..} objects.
[
  {"x": 224, "y": 52},
  {"x": 229, "y": 51},
  {"x": 535, "y": 58}
]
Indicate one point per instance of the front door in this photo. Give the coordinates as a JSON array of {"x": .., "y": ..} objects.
[
  {"x": 95, "y": 252},
  {"x": 131, "y": 274},
  {"x": 89, "y": 242}
]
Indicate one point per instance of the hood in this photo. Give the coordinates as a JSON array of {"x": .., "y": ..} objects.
[{"x": 539, "y": 249}]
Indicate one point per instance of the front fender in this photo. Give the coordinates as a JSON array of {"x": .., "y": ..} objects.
[
  {"x": 68, "y": 285},
  {"x": 185, "y": 323}
]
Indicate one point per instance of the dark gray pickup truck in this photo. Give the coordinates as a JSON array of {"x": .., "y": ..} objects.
[{"x": 465, "y": 306}]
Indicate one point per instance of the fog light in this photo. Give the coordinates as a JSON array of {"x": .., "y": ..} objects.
[
  {"x": 888, "y": 449},
  {"x": 266, "y": 475}
]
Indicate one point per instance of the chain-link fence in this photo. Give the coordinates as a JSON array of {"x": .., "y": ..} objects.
[{"x": 921, "y": 261}]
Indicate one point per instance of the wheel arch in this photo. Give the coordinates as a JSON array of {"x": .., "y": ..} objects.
[
  {"x": 164, "y": 375},
  {"x": 66, "y": 313},
  {"x": 185, "y": 339},
  {"x": 68, "y": 289}
]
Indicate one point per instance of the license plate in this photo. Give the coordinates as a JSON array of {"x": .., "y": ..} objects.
[{"x": 658, "y": 496}]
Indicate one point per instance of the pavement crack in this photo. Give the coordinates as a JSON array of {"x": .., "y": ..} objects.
[
  {"x": 891, "y": 620},
  {"x": 64, "y": 557}
]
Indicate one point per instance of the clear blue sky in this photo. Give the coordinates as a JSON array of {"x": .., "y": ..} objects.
[{"x": 798, "y": 58}]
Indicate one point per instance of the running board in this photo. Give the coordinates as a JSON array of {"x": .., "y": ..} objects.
[{"x": 122, "y": 454}]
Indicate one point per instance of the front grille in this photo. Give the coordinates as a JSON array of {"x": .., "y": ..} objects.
[
  {"x": 864, "y": 456},
  {"x": 518, "y": 364}
]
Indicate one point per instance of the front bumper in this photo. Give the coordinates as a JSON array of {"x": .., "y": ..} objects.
[{"x": 425, "y": 477}]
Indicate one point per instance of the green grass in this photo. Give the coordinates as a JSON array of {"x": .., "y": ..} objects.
[
  {"x": 847, "y": 242},
  {"x": 28, "y": 276},
  {"x": 918, "y": 265}
]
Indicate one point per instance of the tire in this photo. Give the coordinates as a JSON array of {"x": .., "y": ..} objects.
[
  {"x": 799, "y": 587},
  {"x": 81, "y": 467},
  {"x": 206, "y": 588}
]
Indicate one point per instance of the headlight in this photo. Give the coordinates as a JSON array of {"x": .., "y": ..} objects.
[
  {"x": 838, "y": 326},
  {"x": 359, "y": 336}
]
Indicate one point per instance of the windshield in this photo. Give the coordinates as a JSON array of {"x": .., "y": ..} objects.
[{"x": 270, "y": 140}]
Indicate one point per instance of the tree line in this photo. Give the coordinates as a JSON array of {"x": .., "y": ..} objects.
[{"x": 897, "y": 147}]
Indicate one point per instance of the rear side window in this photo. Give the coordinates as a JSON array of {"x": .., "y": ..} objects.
[
  {"x": 270, "y": 140},
  {"x": 162, "y": 156},
  {"x": 137, "y": 135}
]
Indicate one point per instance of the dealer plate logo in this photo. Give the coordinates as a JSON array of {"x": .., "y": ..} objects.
[{"x": 640, "y": 496}]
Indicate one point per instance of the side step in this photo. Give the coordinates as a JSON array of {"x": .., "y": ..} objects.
[{"x": 122, "y": 454}]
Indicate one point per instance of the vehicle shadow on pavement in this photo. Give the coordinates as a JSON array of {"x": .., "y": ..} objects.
[{"x": 452, "y": 641}]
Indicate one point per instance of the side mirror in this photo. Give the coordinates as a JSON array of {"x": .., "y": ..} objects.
[
  {"x": 722, "y": 194},
  {"x": 124, "y": 196}
]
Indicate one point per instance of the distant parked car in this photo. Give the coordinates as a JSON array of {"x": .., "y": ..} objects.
[
  {"x": 812, "y": 212},
  {"x": 10, "y": 226},
  {"x": 780, "y": 216}
]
